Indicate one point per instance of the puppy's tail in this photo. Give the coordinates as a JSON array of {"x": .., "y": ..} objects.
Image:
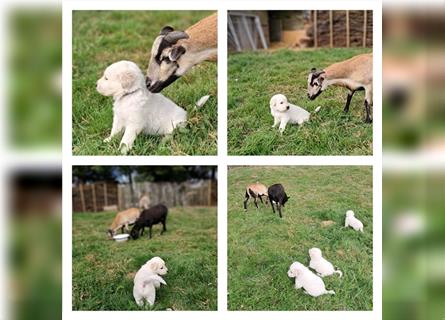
[
  {"x": 330, "y": 292},
  {"x": 201, "y": 101},
  {"x": 316, "y": 110},
  {"x": 340, "y": 274}
]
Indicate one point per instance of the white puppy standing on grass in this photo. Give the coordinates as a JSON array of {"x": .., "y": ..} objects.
[
  {"x": 321, "y": 265},
  {"x": 306, "y": 279},
  {"x": 135, "y": 109},
  {"x": 283, "y": 112},
  {"x": 147, "y": 279},
  {"x": 353, "y": 222}
]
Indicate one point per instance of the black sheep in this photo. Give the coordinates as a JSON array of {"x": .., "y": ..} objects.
[
  {"x": 277, "y": 196},
  {"x": 148, "y": 218}
]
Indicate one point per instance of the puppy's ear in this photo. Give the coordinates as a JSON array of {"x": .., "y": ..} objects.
[
  {"x": 176, "y": 53},
  {"x": 127, "y": 79}
]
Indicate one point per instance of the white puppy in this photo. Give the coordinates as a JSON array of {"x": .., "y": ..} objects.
[
  {"x": 321, "y": 265},
  {"x": 353, "y": 222},
  {"x": 283, "y": 112},
  {"x": 135, "y": 109},
  {"x": 306, "y": 279},
  {"x": 147, "y": 279}
]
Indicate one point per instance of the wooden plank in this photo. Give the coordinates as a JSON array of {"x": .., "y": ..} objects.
[
  {"x": 347, "y": 29},
  {"x": 248, "y": 33},
  {"x": 233, "y": 32},
  {"x": 82, "y": 198},
  {"x": 93, "y": 189},
  {"x": 315, "y": 30},
  {"x": 331, "y": 30},
  {"x": 105, "y": 195},
  {"x": 365, "y": 20}
]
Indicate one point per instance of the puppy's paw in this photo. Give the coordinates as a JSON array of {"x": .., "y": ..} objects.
[
  {"x": 124, "y": 148},
  {"x": 106, "y": 140}
]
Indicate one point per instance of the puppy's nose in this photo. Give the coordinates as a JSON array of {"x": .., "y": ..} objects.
[{"x": 287, "y": 108}]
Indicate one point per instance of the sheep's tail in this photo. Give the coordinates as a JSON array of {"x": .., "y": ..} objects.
[
  {"x": 316, "y": 110},
  {"x": 330, "y": 292},
  {"x": 340, "y": 274},
  {"x": 202, "y": 101}
]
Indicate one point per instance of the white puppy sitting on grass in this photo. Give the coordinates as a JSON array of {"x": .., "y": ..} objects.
[
  {"x": 353, "y": 222},
  {"x": 322, "y": 266},
  {"x": 135, "y": 109},
  {"x": 283, "y": 112},
  {"x": 147, "y": 280},
  {"x": 306, "y": 279}
]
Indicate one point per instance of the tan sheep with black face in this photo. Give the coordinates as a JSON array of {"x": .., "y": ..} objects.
[{"x": 175, "y": 52}]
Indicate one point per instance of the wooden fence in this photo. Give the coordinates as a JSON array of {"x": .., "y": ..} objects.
[
  {"x": 341, "y": 28},
  {"x": 108, "y": 196}
]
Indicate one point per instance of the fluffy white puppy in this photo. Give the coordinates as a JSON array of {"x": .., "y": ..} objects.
[
  {"x": 321, "y": 265},
  {"x": 135, "y": 109},
  {"x": 306, "y": 279},
  {"x": 283, "y": 112},
  {"x": 353, "y": 222},
  {"x": 147, "y": 279}
]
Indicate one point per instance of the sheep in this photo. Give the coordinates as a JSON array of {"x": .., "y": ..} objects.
[
  {"x": 255, "y": 190},
  {"x": 354, "y": 74},
  {"x": 123, "y": 219},
  {"x": 277, "y": 196},
  {"x": 148, "y": 218},
  {"x": 175, "y": 52}
]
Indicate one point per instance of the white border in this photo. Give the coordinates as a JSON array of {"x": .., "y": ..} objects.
[{"x": 222, "y": 160}]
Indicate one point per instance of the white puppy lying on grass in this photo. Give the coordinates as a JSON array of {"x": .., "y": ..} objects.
[
  {"x": 352, "y": 221},
  {"x": 135, "y": 109},
  {"x": 321, "y": 265},
  {"x": 283, "y": 112},
  {"x": 306, "y": 279},
  {"x": 147, "y": 279}
]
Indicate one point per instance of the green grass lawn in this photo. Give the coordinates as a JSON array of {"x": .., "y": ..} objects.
[
  {"x": 261, "y": 246},
  {"x": 253, "y": 78},
  {"x": 101, "y": 38},
  {"x": 103, "y": 270}
]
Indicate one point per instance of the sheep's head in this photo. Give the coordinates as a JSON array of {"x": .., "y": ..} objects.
[
  {"x": 164, "y": 65},
  {"x": 315, "y": 83},
  {"x": 134, "y": 233}
]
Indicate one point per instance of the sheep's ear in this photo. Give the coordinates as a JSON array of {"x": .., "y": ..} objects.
[
  {"x": 166, "y": 30},
  {"x": 176, "y": 53},
  {"x": 313, "y": 70}
]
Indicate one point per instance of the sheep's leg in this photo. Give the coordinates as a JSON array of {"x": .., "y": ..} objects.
[
  {"x": 149, "y": 236},
  {"x": 368, "y": 112},
  {"x": 348, "y": 101},
  {"x": 273, "y": 209},
  {"x": 279, "y": 209},
  {"x": 245, "y": 201},
  {"x": 255, "y": 201},
  {"x": 368, "y": 103},
  {"x": 261, "y": 199},
  {"x": 163, "y": 227},
  {"x": 122, "y": 229},
  {"x": 142, "y": 232}
]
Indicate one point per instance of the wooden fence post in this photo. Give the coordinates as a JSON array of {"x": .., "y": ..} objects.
[
  {"x": 105, "y": 194},
  {"x": 365, "y": 22},
  {"x": 347, "y": 29},
  {"x": 82, "y": 198},
  {"x": 315, "y": 29},
  {"x": 209, "y": 195},
  {"x": 119, "y": 205},
  {"x": 331, "y": 30},
  {"x": 93, "y": 189}
]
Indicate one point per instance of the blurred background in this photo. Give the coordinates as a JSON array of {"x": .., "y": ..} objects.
[
  {"x": 31, "y": 141},
  {"x": 413, "y": 162}
]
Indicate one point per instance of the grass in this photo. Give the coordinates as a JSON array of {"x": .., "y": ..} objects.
[
  {"x": 253, "y": 78},
  {"x": 261, "y": 246},
  {"x": 103, "y": 270},
  {"x": 101, "y": 38}
]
